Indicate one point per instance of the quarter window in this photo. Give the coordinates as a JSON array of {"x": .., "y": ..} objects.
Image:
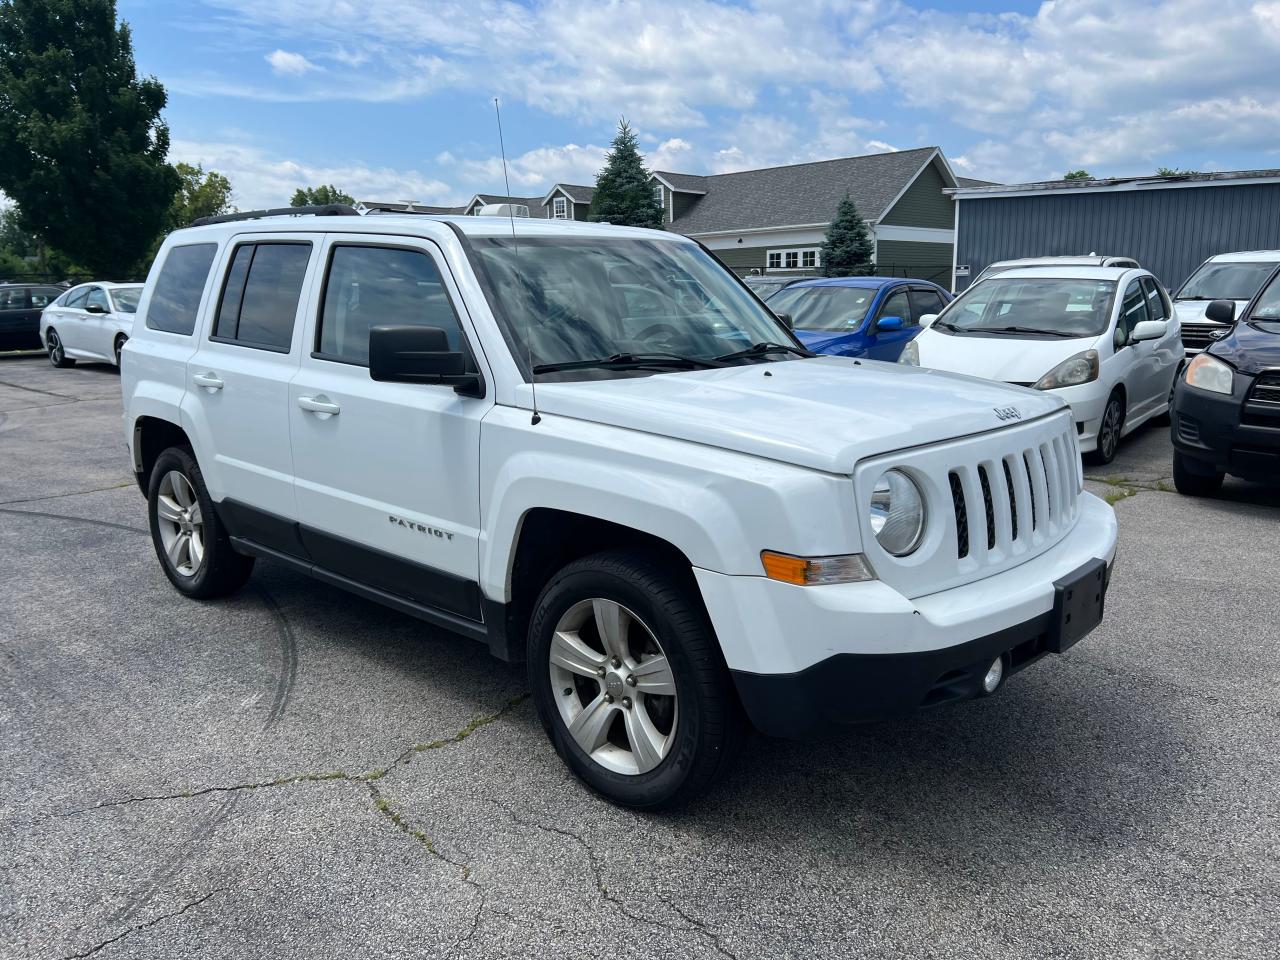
[
  {"x": 370, "y": 286},
  {"x": 175, "y": 300},
  {"x": 260, "y": 298},
  {"x": 559, "y": 209}
]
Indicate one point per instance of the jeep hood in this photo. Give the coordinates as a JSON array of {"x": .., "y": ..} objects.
[{"x": 825, "y": 413}]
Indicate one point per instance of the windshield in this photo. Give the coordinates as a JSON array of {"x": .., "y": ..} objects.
[
  {"x": 561, "y": 300},
  {"x": 824, "y": 308},
  {"x": 1053, "y": 307},
  {"x": 126, "y": 299},
  {"x": 1226, "y": 281},
  {"x": 1267, "y": 308},
  {"x": 763, "y": 288}
]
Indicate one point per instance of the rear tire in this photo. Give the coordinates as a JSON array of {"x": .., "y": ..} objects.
[
  {"x": 57, "y": 352},
  {"x": 655, "y": 717},
  {"x": 1191, "y": 483},
  {"x": 190, "y": 541}
]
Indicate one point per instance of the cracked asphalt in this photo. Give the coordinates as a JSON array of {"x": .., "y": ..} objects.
[{"x": 298, "y": 773}]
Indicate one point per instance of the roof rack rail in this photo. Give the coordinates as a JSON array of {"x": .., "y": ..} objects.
[{"x": 320, "y": 210}]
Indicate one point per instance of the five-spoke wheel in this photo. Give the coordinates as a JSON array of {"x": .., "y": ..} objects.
[{"x": 181, "y": 524}]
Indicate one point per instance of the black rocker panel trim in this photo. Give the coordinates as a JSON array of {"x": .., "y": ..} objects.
[{"x": 373, "y": 573}]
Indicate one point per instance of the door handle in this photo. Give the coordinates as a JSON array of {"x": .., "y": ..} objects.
[
  {"x": 319, "y": 404},
  {"x": 209, "y": 380}
]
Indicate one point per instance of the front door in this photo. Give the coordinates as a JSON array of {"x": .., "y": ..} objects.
[
  {"x": 887, "y": 344},
  {"x": 238, "y": 383},
  {"x": 387, "y": 473}
]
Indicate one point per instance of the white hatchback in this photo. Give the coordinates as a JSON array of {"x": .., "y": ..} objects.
[
  {"x": 89, "y": 322},
  {"x": 1105, "y": 339}
]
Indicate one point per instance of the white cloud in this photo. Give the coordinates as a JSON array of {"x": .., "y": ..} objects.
[{"x": 289, "y": 64}]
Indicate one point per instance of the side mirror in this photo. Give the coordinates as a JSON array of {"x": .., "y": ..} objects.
[
  {"x": 889, "y": 323},
  {"x": 1149, "y": 330},
  {"x": 95, "y": 308},
  {"x": 1221, "y": 311},
  {"x": 927, "y": 318},
  {"x": 410, "y": 354},
  {"x": 785, "y": 320}
]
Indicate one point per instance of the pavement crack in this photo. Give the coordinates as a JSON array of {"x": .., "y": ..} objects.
[
  {"x": 47, "y": 393},
  {"x": 63, "y": 516},
  {"x": 1122, "y": 488},
  {"x": 73, "y": 493},
  {"x": 475, "y": 724},
  {"x": 190, "y": 905}
]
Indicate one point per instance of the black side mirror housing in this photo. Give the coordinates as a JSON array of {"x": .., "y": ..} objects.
[
  {"x": 95, "y": 308},
  {"x": 1221, "y": 311},
  {"x": 785, "y": 320},
  {"x": 402, "y": 353}
]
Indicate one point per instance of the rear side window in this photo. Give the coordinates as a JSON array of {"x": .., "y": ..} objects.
[
  {"x": 926, "y": 301},
  {"x": 260, "y": 298},
  {"x": 175, "y": 299},
  {"x": 42, "y": 298},
  {"x": 13, "y": 298},
  {"x": 370, "y": 286}
]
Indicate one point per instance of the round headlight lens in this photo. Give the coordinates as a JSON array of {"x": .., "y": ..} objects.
[{"x": 897, "y": 513}]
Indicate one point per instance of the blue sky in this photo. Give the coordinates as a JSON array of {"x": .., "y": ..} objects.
[{"x": 392, "y": 99}]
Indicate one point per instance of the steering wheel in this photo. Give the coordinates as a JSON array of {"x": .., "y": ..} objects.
[{"x": 657, "y": 328}]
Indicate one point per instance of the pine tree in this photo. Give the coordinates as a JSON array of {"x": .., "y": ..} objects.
[
  {"x": 847, "y": 249},
  {"x": 623, "y": 193},
  {"x": 82, "y": 145}
]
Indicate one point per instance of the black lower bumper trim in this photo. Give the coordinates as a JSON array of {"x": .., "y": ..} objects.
[{"x": 851, "y": 688}]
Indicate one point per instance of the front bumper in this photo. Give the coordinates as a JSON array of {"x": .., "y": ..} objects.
[
  {"x": 1088, "y": 401},
  {"x": 806, "y": 658},
  {"x": 1223, "y": 434}
]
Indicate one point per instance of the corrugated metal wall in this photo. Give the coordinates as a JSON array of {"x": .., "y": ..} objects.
[{"x": 1170, "y": 231}]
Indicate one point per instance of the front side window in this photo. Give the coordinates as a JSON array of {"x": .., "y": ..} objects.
[
  {"x": 97, "y": 298},
  {"x": 1133, "y": 310},
  {"x": 76, "y": 298},
  {"x": 1267, "y": 309},
  {"x": 567, "y": 299},
  {"x": 838, "y": 309},
  {"x": 560, "y": 209},
  {"x": 260, "y": 298},
  {"x": 1226, "y": 281},
  {"x": 175, "y": 300},
  {"x": 1049, "y": 307},
  {"x": 926, "y": 301},
  {"x": 370, "y": 286},
  {"x": 1157, "y": 301},
  {"x": 897, "y": 306}
]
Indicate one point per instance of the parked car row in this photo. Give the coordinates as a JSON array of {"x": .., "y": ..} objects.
[
  {"x": 20, "y": 308},
  {"x": 90, "y": 322}
]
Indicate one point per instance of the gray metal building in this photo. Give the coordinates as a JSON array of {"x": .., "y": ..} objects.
[{"x": 1170, "y": 224}]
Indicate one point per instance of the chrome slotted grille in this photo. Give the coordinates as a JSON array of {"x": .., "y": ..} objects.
[
  {"x": 1197, "y": 336},
  {"x": 993, "y": 500}
]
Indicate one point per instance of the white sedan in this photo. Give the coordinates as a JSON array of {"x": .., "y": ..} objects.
[
  {"x": 1105, "y": 339},
  {"x": 89, "y": 322}
]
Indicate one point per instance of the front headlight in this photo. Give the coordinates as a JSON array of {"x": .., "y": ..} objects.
[
  {"x": 1210, "y": 373},
  {"x": 1082, "y": 368},
  {"x": 897, "y": 513},
  {"x": 910, "y": 354}
]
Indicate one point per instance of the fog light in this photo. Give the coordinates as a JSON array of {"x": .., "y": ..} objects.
[{"x": 995, "y": 673}]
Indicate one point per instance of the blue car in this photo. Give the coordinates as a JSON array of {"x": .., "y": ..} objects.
[{"x": 871, "y": 317}]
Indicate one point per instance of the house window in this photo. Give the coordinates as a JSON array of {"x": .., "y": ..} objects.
[
  {"x": 560, "y": 209},
  {"x": 657, "y": 195},
  {"x": 800, "y": 259}
]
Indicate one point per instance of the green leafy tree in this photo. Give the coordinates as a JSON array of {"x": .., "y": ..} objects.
[
  {"x": 200, "y": 194},
  {"x": 847, "y": 249},
  {"x": 623, "y": 194},
  {"x": 1174, "y": 172},
  {"x": 24, "y": 255},
  {"x": 82, "y": 145},
  {"x": 318, "y": 196},
  {"x": 1077, "y": 175}
]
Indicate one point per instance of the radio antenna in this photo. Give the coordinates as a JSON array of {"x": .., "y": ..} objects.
[{"x": 515, "y": 245}]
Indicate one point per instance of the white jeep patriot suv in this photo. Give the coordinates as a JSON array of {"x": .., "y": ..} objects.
[{"x": 592, "y": 448}]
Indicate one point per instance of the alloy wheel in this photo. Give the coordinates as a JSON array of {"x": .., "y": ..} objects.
[
  {"x": 181, "y": 524},
  {"x": 613, "y": 686},
  {"x": 56, "y": 353},
  {"x": 1109, "y": 434}
]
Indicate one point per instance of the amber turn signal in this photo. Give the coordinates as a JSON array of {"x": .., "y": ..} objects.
[{"x": 814, "y": 571}]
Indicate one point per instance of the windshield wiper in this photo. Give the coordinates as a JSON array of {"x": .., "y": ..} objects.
[
  {"x": 948, "y": 325},
  {"x": 760, "y": 349},
  {"x": 1046, "y": 333},
  {"x": 630, "y": 361}
]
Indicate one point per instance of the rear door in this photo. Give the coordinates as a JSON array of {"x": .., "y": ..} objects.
[
  {"x": 887, "y": 344},
  {"x": 238, "y": 382},
  {"x": 387, "y": 473}
]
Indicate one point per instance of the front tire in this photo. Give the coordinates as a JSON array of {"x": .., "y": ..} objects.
[
  {"x": 117, "y": 347},
  {"x": 1109, "y": 430},
  {"x": 1193, "y": 483},
  {"x": 57, "y": 352},
  {"x": 191, "y": 542},
  {"x": 629, "y": 681}
]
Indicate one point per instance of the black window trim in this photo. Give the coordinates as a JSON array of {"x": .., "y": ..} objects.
[
  {"x": 226, "y": 276},
  {"x": 440, "y": 264}
]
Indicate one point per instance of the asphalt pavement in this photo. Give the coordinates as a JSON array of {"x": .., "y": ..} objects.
[{"x": 295, "y": 772}]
